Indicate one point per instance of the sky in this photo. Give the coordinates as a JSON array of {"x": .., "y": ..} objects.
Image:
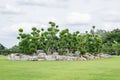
[{"x": 76, "y": 15}]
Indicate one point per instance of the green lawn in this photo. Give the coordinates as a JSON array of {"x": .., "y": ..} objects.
[{"x": 104, "y": 69}]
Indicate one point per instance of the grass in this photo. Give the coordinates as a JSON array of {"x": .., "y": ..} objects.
[{"x": 104, "y": 69}]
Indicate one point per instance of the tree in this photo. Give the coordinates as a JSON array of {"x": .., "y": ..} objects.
[
  {"x": 2, "y": 47},
  {"x": 116, "y": 47},
  {"x": 15, "y": 48},
  {"x": 54, "y": 40},
  {"x": 93, "y": 43},
  {"x": 29, "y": 43},
  {"x": 109, "y": 38},
  {"x": 3, "y": 50},
  {"x": 49, "y": 38},
  {"x": 112, "y": 36}
]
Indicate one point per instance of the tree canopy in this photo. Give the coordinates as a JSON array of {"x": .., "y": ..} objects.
[
  {"x": 55, "y": 40},
  {"x": 111, "y": 41},
  {"x": 2, "y": 47}
]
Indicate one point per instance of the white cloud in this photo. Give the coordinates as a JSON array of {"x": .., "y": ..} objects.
[
  {"x": 10, "y": 9},
  {"x": 76, "y": 17},
  {"x": 111, "y": 25},
  {"x": 44, "y": 3},
  {"x": 14, "y": 28}
]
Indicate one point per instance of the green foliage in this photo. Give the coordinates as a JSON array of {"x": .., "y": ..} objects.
[
  {"x": 2, "y": 47},
  {"x": 6, "y": 51},
  {"x": 29, "y": 42},
  {"x": 3, "y": 50},
  {"x": 111, "y": 36},
  {"x": 93, "y": 43},
  {"x": 111, "y": 41},
  {"x": 20, "y": 30},
  {"x": 15, "y": 48},
  {"x": 116, "y": 47},
  {"x": 54, "y": 40}
]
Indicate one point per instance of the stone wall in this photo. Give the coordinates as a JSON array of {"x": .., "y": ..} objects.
[{"x": 56, "y": 56}]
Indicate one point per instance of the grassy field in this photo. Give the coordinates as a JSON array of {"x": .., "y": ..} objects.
[{"x": 104, "y": 69}]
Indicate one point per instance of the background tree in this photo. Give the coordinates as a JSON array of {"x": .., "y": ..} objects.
[
  {"x": 108, "y": 38},
  {"x": 2, "y": 47},
  {"x": 14, "y": 49},
  {"x": 116, "y": 47}
]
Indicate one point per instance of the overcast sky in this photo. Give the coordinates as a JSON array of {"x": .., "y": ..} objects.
[{"x": 73, "y": 14}]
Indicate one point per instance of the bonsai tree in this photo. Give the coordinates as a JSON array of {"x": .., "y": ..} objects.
[
  {"x": 29, "y": 42},
  {"x": 54, "y": 40}
]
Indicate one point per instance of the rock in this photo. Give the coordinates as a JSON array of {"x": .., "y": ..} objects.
[
  {"x": 30, "y": 58},
  {"x": 77, "y": 53},
  {"x": 72, "y": 58},
  {"x": 96, "y": 57},
  {"x": 55, "y": 55},
  {"x": 104, "y": 55},
  {"x": 49, "y": 57},
  {"x": 39, "y": 51},
  {"x": 108, "y": 56},
  {"x": 17, "y": 58},
  {"x": 41, "y": 55},
  {"x": 82, "y": 58},
  {"x": 86, "y": 56},
  {"x": 24, "y": 57},
  {"x": 91, "y": 57},
  {"x": 11, "y": 56},
  {"x": 71, "y": 54},
  {"x": 62, "y": 58},
  {"x": 34, "y": 58}
]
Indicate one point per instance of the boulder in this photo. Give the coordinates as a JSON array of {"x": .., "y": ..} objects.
[
  {"x": 34, "y": 58},
  {"x": 77, "y": 53},
  {"x": 83, "y": 58},
  {"x": 24, "y": 57},
  {"x": 91, "y": 57},
  {"x": 41, "y": 55},
  {"x": 39, "y": 51},
  {"x": 70, "y": 57},
  {"x": 17, "y": 57},
  {"x": 96, "y": 57},
  {"x": 104, "y": 55},
  {"x": 86, "y": 56},
  {"x": 71, "y": 54},
  {"x": 62, "y": 58},
  {"x": 55, "y": 55},
  {"x": 49, "y": 57},
  {"x": 11, "y": 56}
]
